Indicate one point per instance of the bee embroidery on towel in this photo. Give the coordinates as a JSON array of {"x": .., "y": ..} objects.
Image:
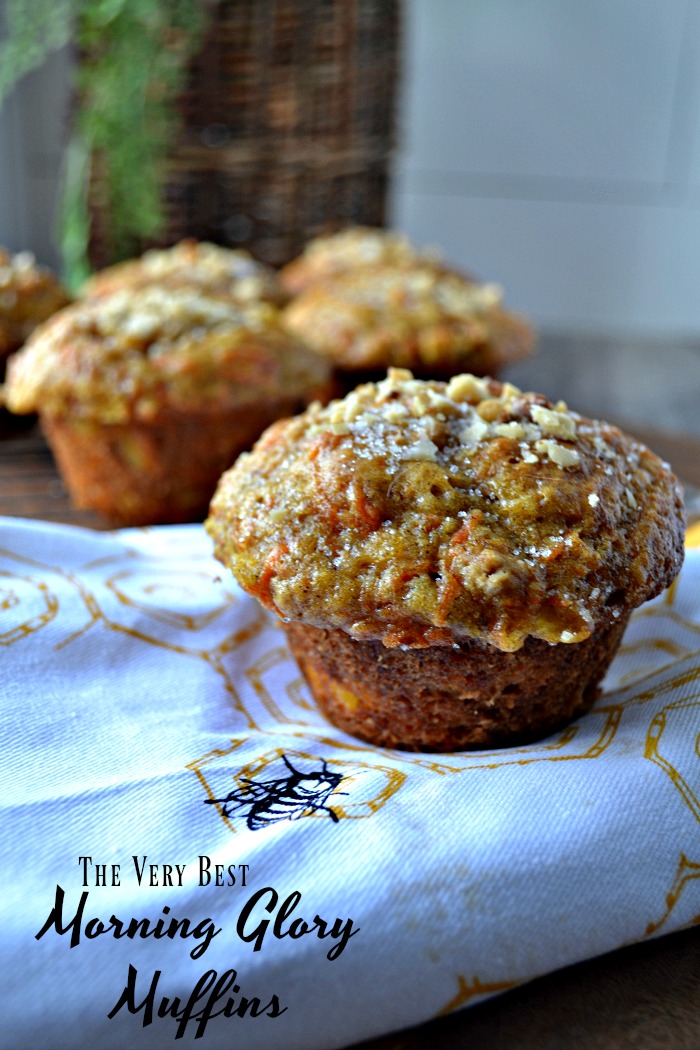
[{"x": 286, "y": 798}]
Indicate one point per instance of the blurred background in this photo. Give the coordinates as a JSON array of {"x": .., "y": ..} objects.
[
  {"x": 551, "y": 147},
  {"x": 556, "y": 146}
]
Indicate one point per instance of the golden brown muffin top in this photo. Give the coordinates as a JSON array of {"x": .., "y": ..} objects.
[
  {"x": 124, "y": 356},
  {"x": 415, "y": 317},
  {"x": 357, "y": 246},
  {"x": 214, "y": 270},
  {"x": 28, "y": 295},
  {"x": 420, "y": 513}
]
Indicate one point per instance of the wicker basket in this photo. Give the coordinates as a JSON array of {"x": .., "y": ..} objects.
[{"x": 288, "y": 127}]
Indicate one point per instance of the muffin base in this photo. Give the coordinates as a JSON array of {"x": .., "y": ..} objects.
[
  {"x": 451, "y": 699},
  {"x": 164, "y": 472}
]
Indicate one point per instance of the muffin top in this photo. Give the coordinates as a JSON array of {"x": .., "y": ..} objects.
[
  {"x": 422, "y": 513},
  {"x": 128, "y": 355},
  {"x": 28, "y": 295},
  {"x": 349, "y": 249},
  {"x": 214, "y": 270},
  {"x": 415, "y": 317}
]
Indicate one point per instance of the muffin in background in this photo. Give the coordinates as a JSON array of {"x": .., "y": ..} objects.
[
  {"x": 433, "y": 322},
  {"x": 29, "y": 294},
  {"x": 453, "y": 563},
  {"x": 147, "y": 396},
  {"x": 350, "y": 249},
  {"x": 213, "y": 270}
]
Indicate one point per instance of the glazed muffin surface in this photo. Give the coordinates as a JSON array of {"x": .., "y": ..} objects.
[
  {"x": 129, "y": 355},
  {"x": 232, "y": 273},
  {"x": 415, "y": 317},
  {"x": 421, "y": 513}
]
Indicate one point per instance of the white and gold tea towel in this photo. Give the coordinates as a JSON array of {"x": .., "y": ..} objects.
[{"x": 192, "y": 855}]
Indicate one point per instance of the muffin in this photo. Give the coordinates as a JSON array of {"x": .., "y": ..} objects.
[
  {"x": 454, "y": 563},
  {"x": 350, "y": 249},
  {"x": 213, "y": 270},
  {"x": 435, "y": 323},
  {"x": 147, "y": 396},
  {"x": 29, "y": 294}
]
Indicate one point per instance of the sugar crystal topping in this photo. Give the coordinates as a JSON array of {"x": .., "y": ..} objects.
[
  {"x": 210, "y": 260},
  {"x": 360, "y": 245},
  {"x": 123, "y": 355},
  {"x": 407, "y": 419},
  {"x": 419, "y": 512}
]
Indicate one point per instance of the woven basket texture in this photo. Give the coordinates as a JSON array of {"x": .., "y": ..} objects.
[{"x": 288, "y": 125}]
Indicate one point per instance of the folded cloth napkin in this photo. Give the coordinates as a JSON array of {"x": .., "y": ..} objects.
[{"x": 192, "y": 855}]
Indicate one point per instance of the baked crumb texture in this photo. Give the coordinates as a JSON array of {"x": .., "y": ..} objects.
[
  {"x": 353, "y": 248},
  {"x": 29, "y": 294},
  {"x": 419, "y": 317},
  {"x": 425, "y": 514},
  {"x": 135, "y": 354},
  {"x": 451, "y": 699},
  {"x": 147, "y": 396},
  {"x": 212, "y": 269}
]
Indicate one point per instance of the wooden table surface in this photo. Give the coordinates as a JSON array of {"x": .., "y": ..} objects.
[{"x": 644, "y": 997}]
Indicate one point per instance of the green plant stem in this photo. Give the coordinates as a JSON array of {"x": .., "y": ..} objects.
[{"x": 133, "y": 60}]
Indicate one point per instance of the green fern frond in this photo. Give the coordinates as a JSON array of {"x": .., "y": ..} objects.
[
  {"x": 34, "y": 29},
  {"x": 133, "y": 63}
]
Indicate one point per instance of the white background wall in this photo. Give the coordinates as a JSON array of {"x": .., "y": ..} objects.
[
  {"x": 554, "y": 146},
  {"x": 550, "y": 145},
  {"x": 33, "y": 123}
]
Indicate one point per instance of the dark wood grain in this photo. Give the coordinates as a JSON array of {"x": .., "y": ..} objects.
[{"x": 30, "y": 486}]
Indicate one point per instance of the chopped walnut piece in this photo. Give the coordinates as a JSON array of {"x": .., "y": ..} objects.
[
  {"x": 559, "y": 454},
  {"x": 556, "y": 424},
  {"x": 491, "y": 410},
  {"x": 467, "y": 388},
  {"x": 427, "y": 527},
  {"x": 510, "y": 430},
  {"x": 476, "y": 431}
]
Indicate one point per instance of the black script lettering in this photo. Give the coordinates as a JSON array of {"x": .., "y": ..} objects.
[
  {"x": 128, "y": 997},
  {"x": 258, "y": 934},
  {"x": 253, "y": 1007},
  {"x": 226, "y": 981},
  {"x": 340, "y": 931},
  {"x": 209, "y": 983},
  {"x": 55, "y": 918},
  {"x": 203, "y": 931}
]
